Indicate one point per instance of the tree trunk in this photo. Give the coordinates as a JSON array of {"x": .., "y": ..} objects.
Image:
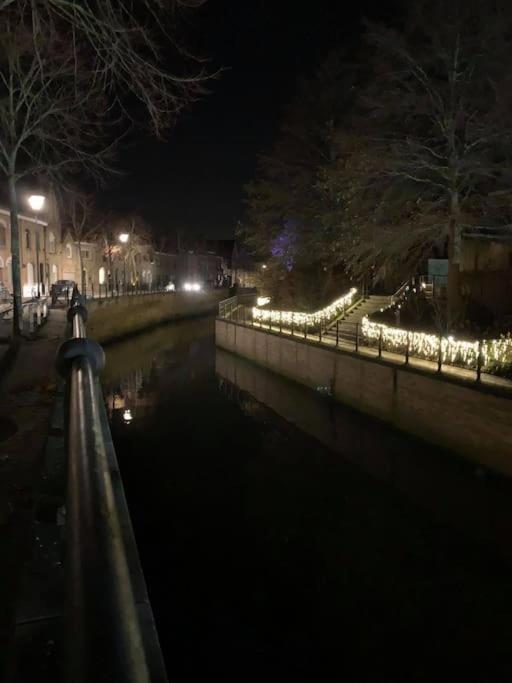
[
  {"x": 109, "y": 274},
  {"x": 454, "y": 295},
  {"x": 80, "y": 259},
  {"x": 17, "y": 318}
]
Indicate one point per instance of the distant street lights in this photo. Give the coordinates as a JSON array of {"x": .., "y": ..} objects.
[
  {"x": 36, "y": 202},
  {"x": 124, "y": 238}
]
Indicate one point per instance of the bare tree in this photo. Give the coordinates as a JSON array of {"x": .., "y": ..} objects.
[
  {"x": 70, "y": 73},
  {"x": 441, "y": 105},
  {"x": 83, "y": 222}
]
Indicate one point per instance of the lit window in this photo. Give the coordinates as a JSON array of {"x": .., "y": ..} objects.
[
  {"x": 51, "y": 242},
  {"x": 69, "y": 251},
  {"x": 27, "y": 239}
]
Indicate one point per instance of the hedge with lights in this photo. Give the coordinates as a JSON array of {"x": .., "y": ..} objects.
[
  {"x": 495, "y": 353},
  {"x": 309, "y": 320}
]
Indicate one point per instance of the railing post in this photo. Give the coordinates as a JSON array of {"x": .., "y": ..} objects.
[
  {"x": 280, "y": 322},
  {"x": 357, "y": 336},
  {"x": 292, "y": 323},
  {"x": 305, "y": 329},
  {"x": 440, "y": 354},
  {"x": 407, "y": 349},
  {"x": 479, "y": 362},
  {"x": 380, "y": 343},
  {"x": 337, "y": 332},
  {"x": 320, "y": 332}
]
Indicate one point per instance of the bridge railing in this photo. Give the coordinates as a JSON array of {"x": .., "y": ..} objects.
[
  {"x": 436, "y": 353},
  {"x": 110, "y": 627},
  {"x": 112, "y": 290},
  {"x": 233, "y": 307}
]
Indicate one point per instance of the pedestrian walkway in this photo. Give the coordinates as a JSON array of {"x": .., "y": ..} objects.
[
  {"x": 348, "y": 342},
  {"x": 26, "y": 399}
]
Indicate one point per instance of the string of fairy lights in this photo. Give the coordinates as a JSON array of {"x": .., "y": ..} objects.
[
  {"x": 432, "y": 347},
  {"x": 493, "y": 352},
  {"x": 310, "y": 320}
]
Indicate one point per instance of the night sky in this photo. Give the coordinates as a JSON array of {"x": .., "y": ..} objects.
[{"x": 194, "y": 181}]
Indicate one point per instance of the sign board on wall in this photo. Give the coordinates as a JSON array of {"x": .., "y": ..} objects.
[{"x": 438, "y": 271}]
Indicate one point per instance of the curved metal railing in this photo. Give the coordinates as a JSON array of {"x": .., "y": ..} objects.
[{"x": 110, "y": 627}]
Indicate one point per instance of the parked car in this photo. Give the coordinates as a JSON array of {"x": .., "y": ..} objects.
[{"x": 62, "y": 289}]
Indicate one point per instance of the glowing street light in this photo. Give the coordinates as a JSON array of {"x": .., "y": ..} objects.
[
  {"x": 264, "y": 266},
  {"x": 124, "y": 237},
  {"x": 36, "y": 203}
]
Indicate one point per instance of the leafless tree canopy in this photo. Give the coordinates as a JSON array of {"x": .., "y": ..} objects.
[
  {"x": 416, "y": 145},
  {"x": 73, "y": 74},
  {"x": 70, "y": 68}
]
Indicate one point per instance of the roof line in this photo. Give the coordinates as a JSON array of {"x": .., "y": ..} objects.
[{"x": 4, "y": 212}]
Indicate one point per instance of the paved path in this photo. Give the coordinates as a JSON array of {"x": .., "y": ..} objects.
[
  {"x": 26, "y": 398},
  {"x": 399, "y": 359}
]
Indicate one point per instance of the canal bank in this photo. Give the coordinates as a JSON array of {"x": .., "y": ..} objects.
[
  {"x": 117, "y": 317},
  {"x": 270, "y": 552},
  {"x": 470, "y": 419}
]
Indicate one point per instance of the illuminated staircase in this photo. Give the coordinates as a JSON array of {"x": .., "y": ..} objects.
[{"x": 356, "y": 313}]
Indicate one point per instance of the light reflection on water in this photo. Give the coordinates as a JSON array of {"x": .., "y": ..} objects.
[{"x": 283, "y": 536}]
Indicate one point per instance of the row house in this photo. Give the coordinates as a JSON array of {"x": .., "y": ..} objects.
[
  {"x": 40, "y": 253},
  {"x": 112, "y": 262}
]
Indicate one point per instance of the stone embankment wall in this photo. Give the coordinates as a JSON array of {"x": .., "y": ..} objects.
[
  {"x": 119, "y": 317},
  {"x": 475, "y": 421}
]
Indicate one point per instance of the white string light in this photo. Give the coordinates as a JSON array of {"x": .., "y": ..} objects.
[
  {"x": 453, "y": 351},
  {"x": 306, "y": 319}
]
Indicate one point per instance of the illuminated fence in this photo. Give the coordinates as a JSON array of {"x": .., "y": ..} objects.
[
  {"x": 487, "y": 356},
  {"x": 316, "y": 319},
  {"x": 487, "y": 353}
]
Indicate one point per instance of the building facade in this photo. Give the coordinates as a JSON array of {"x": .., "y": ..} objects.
[
  {"x": 40, "y": 252},
  {"x": 486, "y": 269},
  {"x": 114, "y": 261}
]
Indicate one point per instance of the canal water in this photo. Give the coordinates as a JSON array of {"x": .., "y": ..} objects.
[{"x": 285, "y": 538}]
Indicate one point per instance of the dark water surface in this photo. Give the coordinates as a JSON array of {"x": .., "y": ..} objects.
[{"x": 287, "y": 539}]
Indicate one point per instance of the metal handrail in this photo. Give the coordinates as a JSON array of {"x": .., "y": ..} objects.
[
  {"x": 105, "y": 638},
  {"x": 350, "y": 336},
  {"x": 228, "y": 307},
  {"x": 396, "y": 296}
]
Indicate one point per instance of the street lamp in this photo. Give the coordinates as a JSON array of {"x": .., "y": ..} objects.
[
  {"x": 264, "y": 266},
  {"x": 36, "y": 202},
  {"x": 124, "y": 238}
]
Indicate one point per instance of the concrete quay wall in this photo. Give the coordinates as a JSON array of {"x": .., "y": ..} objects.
[
  {"x": 117, "y": 317},
  {"x": 471, "y": 420}
]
